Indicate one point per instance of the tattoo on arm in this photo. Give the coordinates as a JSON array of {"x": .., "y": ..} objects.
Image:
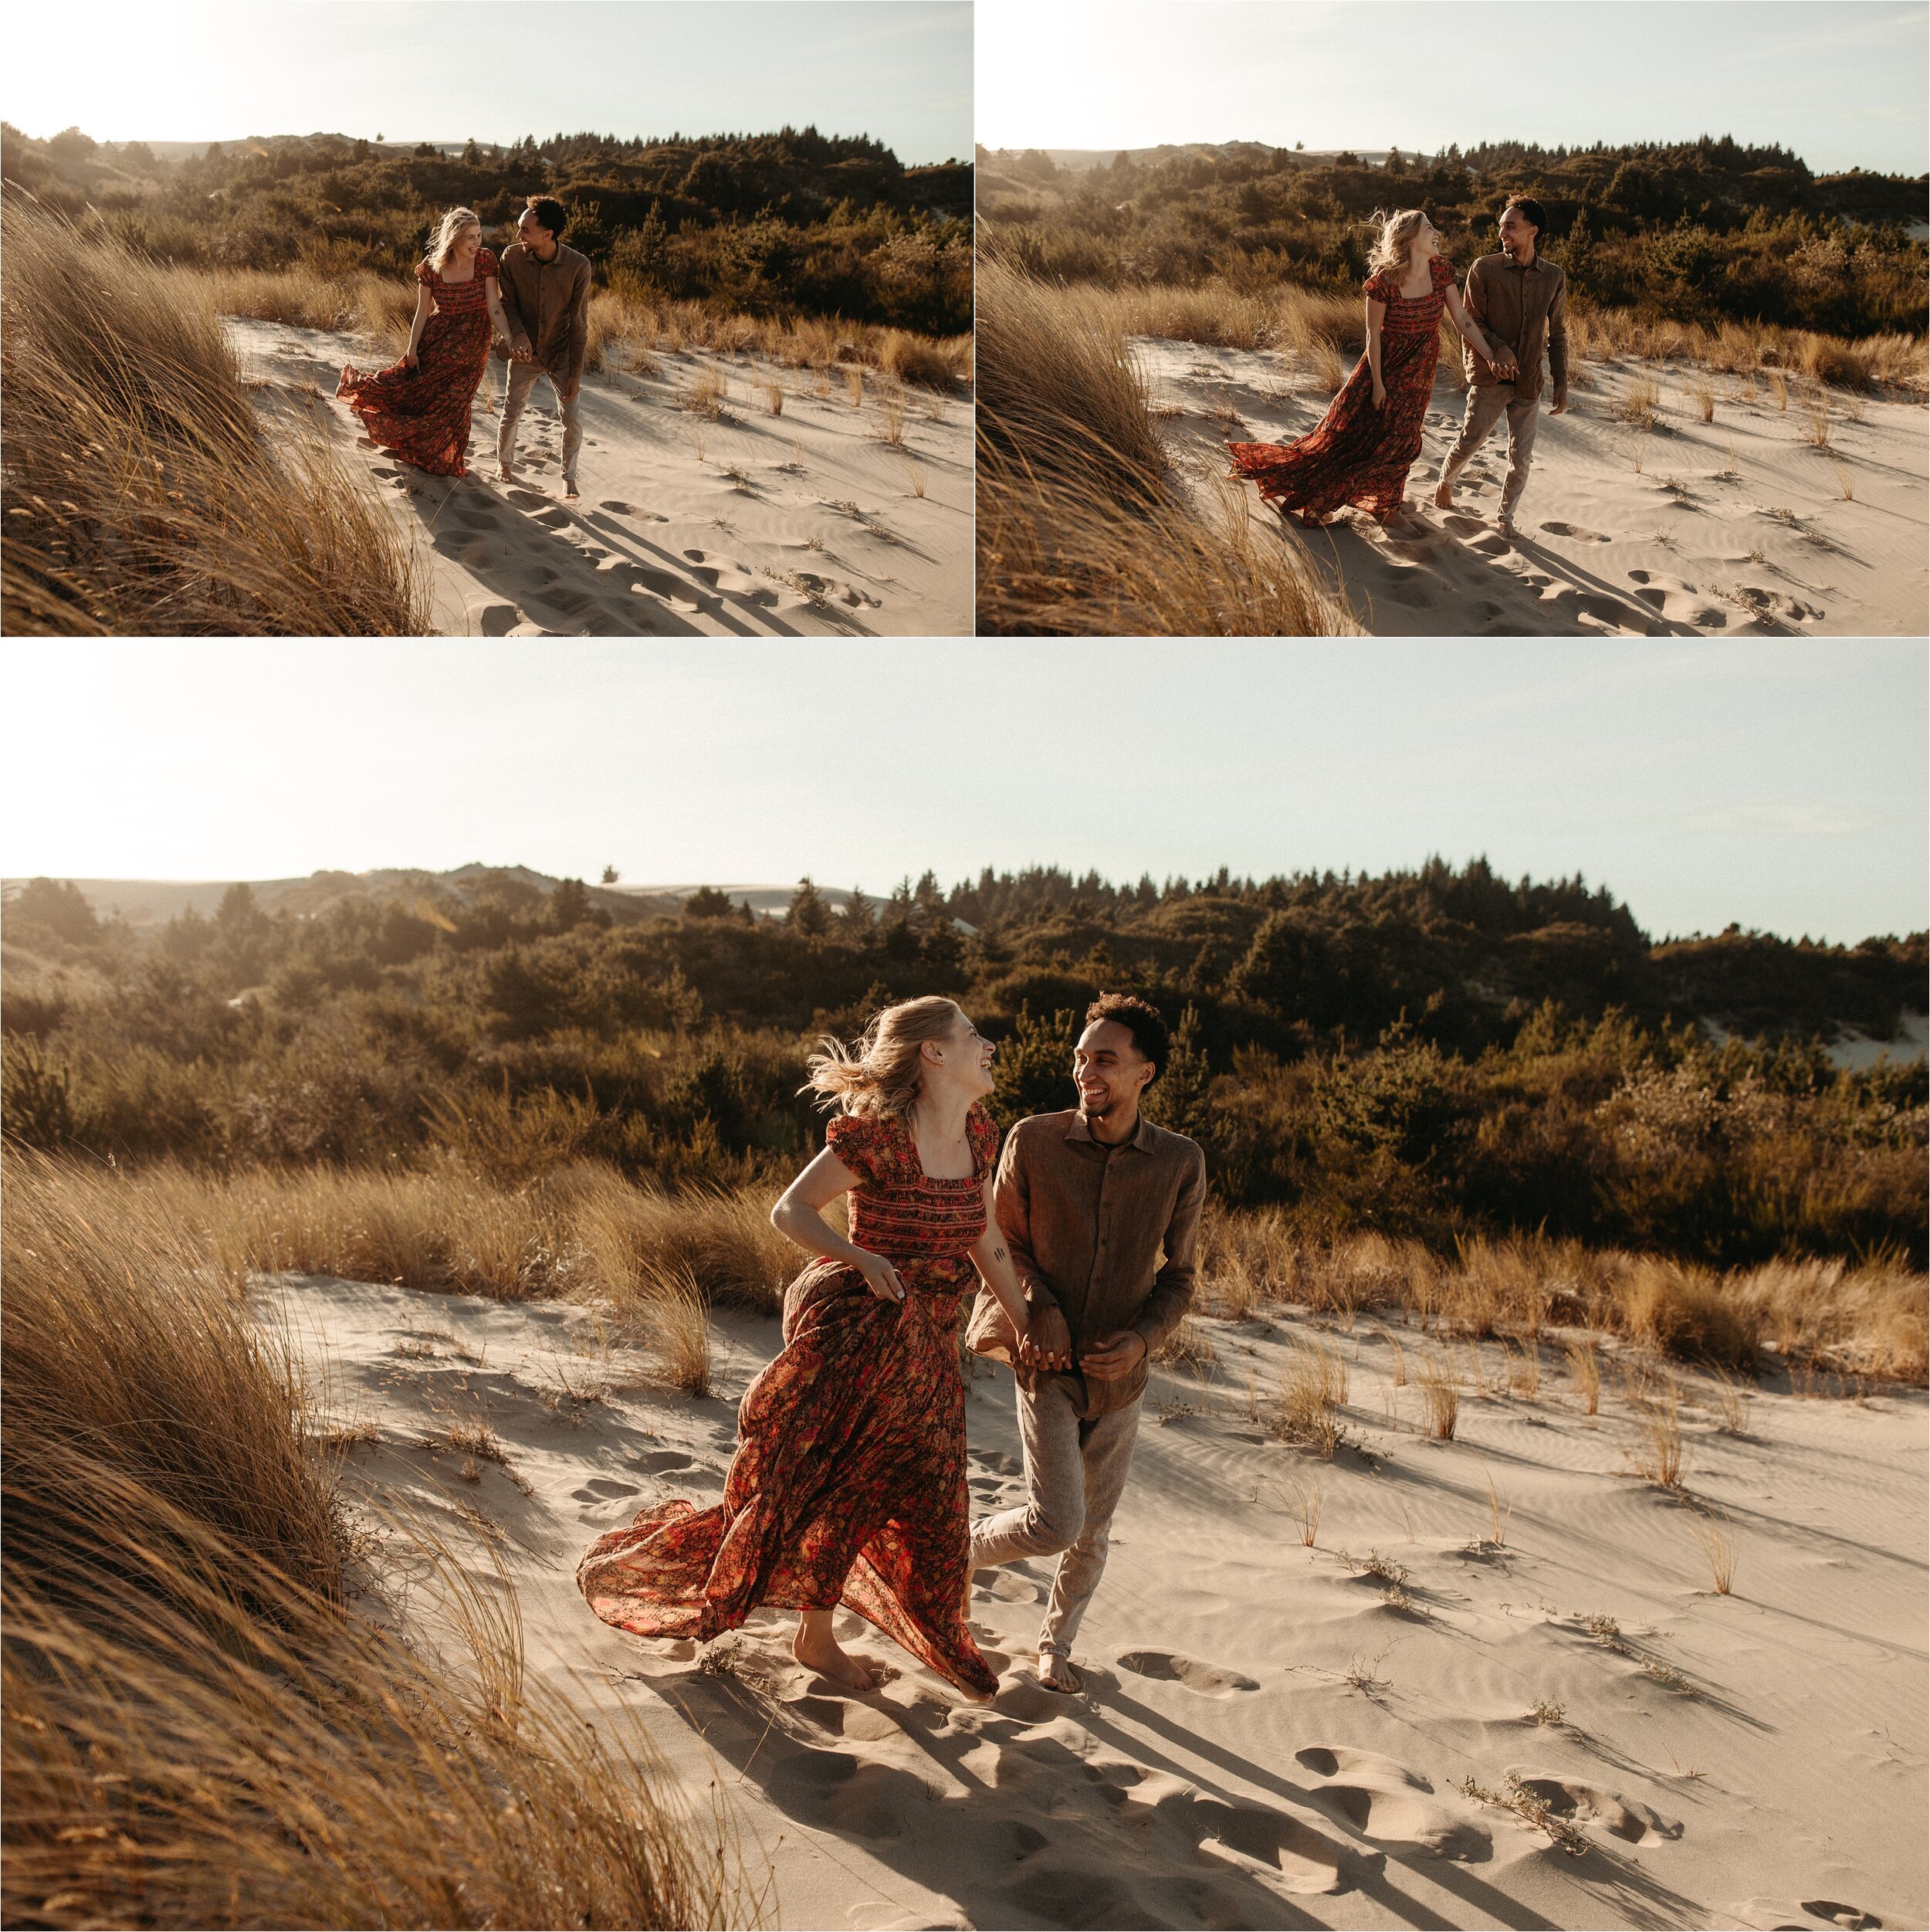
[{"x": 998, "y": 1254}]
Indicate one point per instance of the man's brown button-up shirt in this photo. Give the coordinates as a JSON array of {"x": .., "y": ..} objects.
[
  {"x": 549, "y": 302},
  {"x": 1526, "y": 308},
  {"x": 1111, "y": 1234}
]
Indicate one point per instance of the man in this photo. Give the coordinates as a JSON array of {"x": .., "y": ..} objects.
[
  {"x": 545, "y": 300},
  {"x": 1520, "y": 299},
  {"x": 1088, "y": 1201}
]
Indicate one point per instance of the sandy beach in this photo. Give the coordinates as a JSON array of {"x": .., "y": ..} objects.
[
  {"x": 1736, "y": 526},
  {"x": 1486, "y": 1644},
  {"x": 810, "y": 523}
]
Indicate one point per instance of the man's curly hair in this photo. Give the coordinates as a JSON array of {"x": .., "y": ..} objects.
[{"x": 1141, "y": 1019}]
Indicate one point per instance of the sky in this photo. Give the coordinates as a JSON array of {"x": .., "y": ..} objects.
[
  {"x": 1777, "y": 784},
  {"x": 1841, "y": 81},
  {"x": 900, "y": 70}
]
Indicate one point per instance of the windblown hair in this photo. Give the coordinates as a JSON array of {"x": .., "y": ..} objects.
[
  {"x": 881, "y": 1073},
  {"x": 1397, "y": 237},
  {"x": 453, "y": 224}
]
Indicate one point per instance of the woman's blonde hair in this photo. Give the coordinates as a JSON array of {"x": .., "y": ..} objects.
[
  {"x": 1397, "y": 233},
  {"x": 453, "y": 224},
  {"x": 881, "y": 1073}
]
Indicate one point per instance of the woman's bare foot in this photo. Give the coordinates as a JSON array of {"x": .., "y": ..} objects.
[
  {"x": 1056, "y": 1673},
  {"x": 817, "y": 1649}
]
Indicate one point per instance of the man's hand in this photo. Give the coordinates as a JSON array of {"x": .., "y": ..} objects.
[
  {"x": 569, "y": 389},
  {"x": 1114, "y": 1355},
  {"x": 1560, "y": 403},
  {"x": 1504, "y": 364},
  {"x": 1046, "y": 1343},
  {"x": 521, "y": 350}
]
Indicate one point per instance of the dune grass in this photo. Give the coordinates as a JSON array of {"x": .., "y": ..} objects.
[
  {"x": 144, "y": 492},
  {"x": 1085, "y": 528},
  {"x": 202, "y": 1730}
]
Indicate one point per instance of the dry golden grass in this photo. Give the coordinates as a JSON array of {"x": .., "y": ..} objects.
[
  {"x": 144, "y": 492},
  {"x": 1715, "y": 1537},
  {"x": 855, "y": 385},
  {"x": 1313, "y": 1384},
  {"x": 198, "y": 1732},
  {"x": 1188, "y": 1347},
  {"x": 1815, "y": 417},
  {"x": 1637, "y": 402},
  {"x": 1662, "y": 1456},
  {"x": 1586, "y": 1369},
  {"x": 891, "y": 418},
  {"x": 1748, "y": 350},
  {"x": 1701, "y": 392},
  {"x": 1083, "y": 531},
  {"x": 706, "y": 395},
  {"x": 1780, "y": 388},
  {"x": 1441, "y": 1396},
  {"x": 774, "y": 398}
]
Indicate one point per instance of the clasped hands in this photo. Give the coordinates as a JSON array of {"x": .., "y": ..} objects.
[{"x": 1047, "y": 1345}]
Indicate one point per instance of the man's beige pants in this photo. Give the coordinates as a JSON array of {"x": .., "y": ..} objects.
[
  {"x": 520, "y": 380},
  {"x": 1486, "y": 401},
  {"x": 1074, "y": 1472}
]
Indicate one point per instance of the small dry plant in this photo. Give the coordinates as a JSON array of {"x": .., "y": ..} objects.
[
  {"x": 774, "y": 398},
  {"x": 1542, "y": 1713},
  {"x": 1362, "y": 1673},
  {"x": 1532, "y": 1809},
  {"x": 1638, "y": 402},
  {"x": 1732, "y": 1403},
  {"x": 916, "y": 478},
  {"x": 1815, "y": 417},
  {"x": 1715, "y": 1537},
  {"x": 1586, "y": 1368},
  {"x": 1305, "y": 1501},
  {"x": 1499, "y": 1512},
  {"x": 1845, "y": 481},
  {"x": 1661, "y": 1458},
  {"x": 1400, "y": 1356},
  {"x": 854, "y": 386},
  {"x": 1313, "y": 1384},
  {"x": 1780, "y": 388},
  {"x": 1441, "y": 1396},
  {"x": 891, "y": 418},
  {"x": 705, "y": 396},
  {"x": 1701, "y": 392},
  {"x": 1525, "y": 1369}
]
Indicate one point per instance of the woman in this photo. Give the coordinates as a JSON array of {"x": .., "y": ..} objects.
[
  {"x": 1361, "y": 450},
  {"x": 849, "y": 1484},
  {"x": 418, "y": 409}
]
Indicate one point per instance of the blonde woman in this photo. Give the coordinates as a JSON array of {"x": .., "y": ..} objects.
[
  {"x": 418, "y": 408},
  {"x": 1361, "y": 450},
  {"x": 849, "y": 1484}
]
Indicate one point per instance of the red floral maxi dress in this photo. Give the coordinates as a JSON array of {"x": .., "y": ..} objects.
[
  {"x": 422, "y": 414},
  {"x": 1355, "y": 453},
  {"x": 848, "y": 1484}
]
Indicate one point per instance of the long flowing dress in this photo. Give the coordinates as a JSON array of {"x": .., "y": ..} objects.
[
  {"x": 422, "y": 414},
  {"x": 848, "y": 1484},
  {"x": 1355, "y": 453}
]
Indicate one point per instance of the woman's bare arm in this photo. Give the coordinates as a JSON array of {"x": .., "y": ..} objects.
[
  {"x": 992, "y": 1257},
  {"x": 424, "y": 307},
  {"x": 1377, "y": 315},
  {"x": 1471, "y": 332},
  {"x": 499, "y": 321},
  {"x": 799, "y": 1217}
]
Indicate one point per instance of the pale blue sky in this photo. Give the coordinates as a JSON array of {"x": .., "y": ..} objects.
[
  {"x": 446, "y": 69},
  {"x": 1843, "y": 83},
  {"x": 1780, "y": 784}
]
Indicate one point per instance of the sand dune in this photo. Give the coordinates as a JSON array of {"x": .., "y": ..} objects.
[
  {"x": 1734, "y": 528},
  {"x": 807, "y": 523},
  {"x": 1271, "y": 1734}
]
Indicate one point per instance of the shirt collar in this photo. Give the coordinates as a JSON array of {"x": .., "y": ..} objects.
[{"x": 1141, "y": 1142}]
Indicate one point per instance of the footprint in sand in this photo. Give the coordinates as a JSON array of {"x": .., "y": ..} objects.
[
  {"x": 1386, "y": 1801},
  {"x": 659, "y": 583},
  {"x": 1577, "y": 532},
  {"x": 526, "y": 499},
  {"x": 1414, "y": 595},
  {"x": 835, "y": 1790},
  {"x": 494, "y": 619},
  {"x": 602, "y": 1489},
  {"x": 1463, "y": 526},
  {"x": 616, "y": 507},
  {"x": 1168, "y": 1667},
  {"x": 1006, "y": 1588},
  {"x": 1283, "y": 1851},
  {"x": 1677, "y": 599},
  {"x": 1627, "y": 1817},
  {"x": 1811, "y": 1915}
]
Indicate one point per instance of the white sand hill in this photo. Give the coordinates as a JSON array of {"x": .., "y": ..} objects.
[
  {"x": 806, "y": 523},
  {"x": 1271, "y": 1734},
  {"x": 1736, "y": 527}
]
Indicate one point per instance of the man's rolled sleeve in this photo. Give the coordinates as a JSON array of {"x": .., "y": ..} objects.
[
  {"x": 580, "y": 323},
  {"x": 1558, "y": 335},
  {"x": 1172, "y": 1286}
]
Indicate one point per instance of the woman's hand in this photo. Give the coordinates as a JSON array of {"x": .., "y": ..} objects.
[
  {"x": 1380, "y": 393},
  {"x": 880, "y": 1276},
  {"x": 409, "y": 359},
  {"x": 1046, "y": 1343}
]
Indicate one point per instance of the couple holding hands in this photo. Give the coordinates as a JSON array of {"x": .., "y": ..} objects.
[
  {"x": 533, "y": 301},
  {"x": 849, "y": 1484}
]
